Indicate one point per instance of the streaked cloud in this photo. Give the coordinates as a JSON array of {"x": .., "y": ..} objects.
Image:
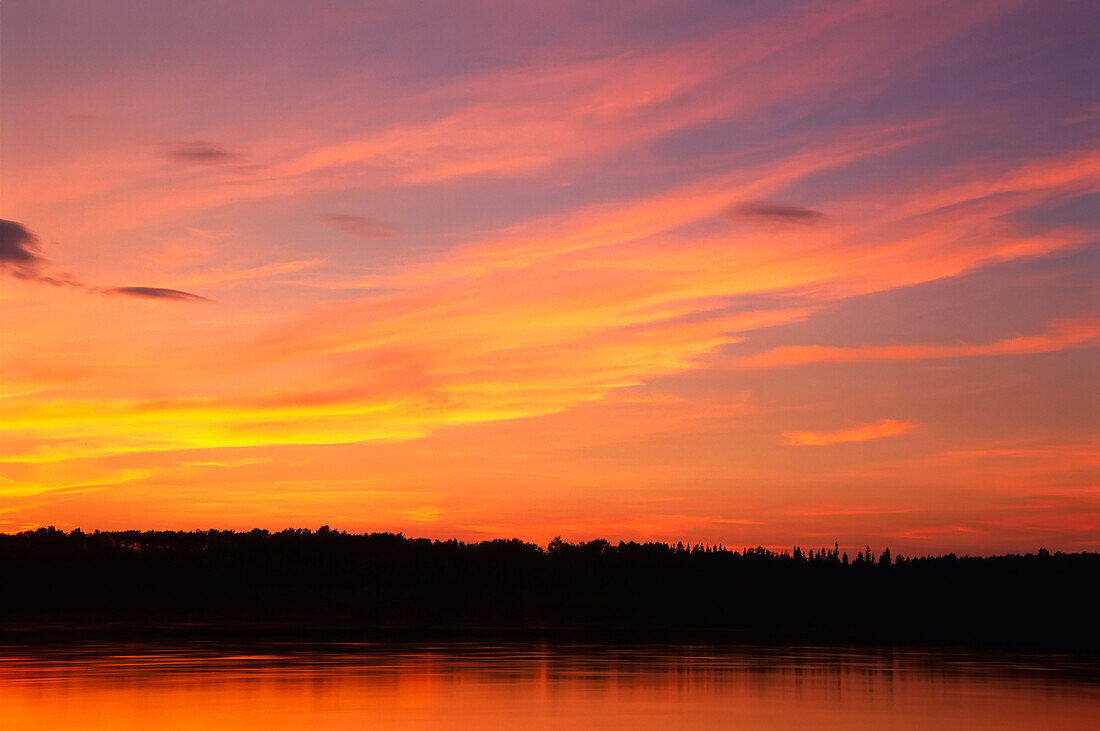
[
  {"x": 560, "y": 311},
  {"x": 234, "y": 275},
  {"x": 13, "y": 489},
  {"x": 243, "y": 462},
  {"x": 862, "y": 433},
  {"x": 361, "y": 227},
  {"x": 1058, "y": 336}
]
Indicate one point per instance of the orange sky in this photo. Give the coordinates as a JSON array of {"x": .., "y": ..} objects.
[{"x": 750, "y": 273}]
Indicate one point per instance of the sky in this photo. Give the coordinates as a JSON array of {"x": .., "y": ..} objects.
[{"x": 750, "y": 273}]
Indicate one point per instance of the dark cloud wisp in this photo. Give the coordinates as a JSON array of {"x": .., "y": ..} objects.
[
  {"x": 18, "y": 249},
  {"x": 20, "y": 257},
  {"x": 774, "y": 212},
  {"x": 156, "y": 293},
  {"x": 361, "y": 226},
  {"x": 200, "y": 152}
]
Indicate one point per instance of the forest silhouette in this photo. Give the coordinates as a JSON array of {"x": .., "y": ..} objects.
[{"x": 331, "y": 584}]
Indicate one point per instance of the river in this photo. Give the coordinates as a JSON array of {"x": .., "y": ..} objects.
[{"x": 538, "y": 686}]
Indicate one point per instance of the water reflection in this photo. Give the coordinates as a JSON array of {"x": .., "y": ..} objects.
[{"x": 286, "y": 686}]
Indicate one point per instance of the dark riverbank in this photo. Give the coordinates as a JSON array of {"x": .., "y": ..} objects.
[{"x": 330, "y": 586}]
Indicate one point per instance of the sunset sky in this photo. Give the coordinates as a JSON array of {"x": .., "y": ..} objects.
[{"x": 740, "y": 272}]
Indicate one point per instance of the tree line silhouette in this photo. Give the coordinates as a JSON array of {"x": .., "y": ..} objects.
[{"x": 334, "y": 584}]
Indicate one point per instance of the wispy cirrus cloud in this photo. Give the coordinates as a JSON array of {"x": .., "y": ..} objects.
[
  {"x": 1063, "y": 335},
  {"x": 862, "y": 433},
  {"x": 530, "y": 117},
  {"x": 229, "y": 275},
  {"x": 558, "y": 312},
  {"x": 12, "y": 489},
  {"x": 517, "y": 121},
  {"x": 362, "y": 227}
]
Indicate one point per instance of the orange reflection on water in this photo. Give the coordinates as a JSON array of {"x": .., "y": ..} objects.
[{"x": 538, "y": 686}]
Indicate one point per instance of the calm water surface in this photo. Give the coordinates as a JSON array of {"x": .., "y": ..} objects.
[{"x": 454, "y": 686}]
